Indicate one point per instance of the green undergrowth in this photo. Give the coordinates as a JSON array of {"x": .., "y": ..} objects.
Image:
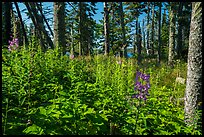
[{"x": 50, "y": 94}]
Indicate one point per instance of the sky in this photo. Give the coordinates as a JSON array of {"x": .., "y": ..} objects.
[{"x": 98, "y": 16}]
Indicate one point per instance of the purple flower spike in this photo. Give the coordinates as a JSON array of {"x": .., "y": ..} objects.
[
  {"x": 137, "y": 84},
  {"x": 140, "y": 95},
  {"x": 13, "y": 45},
  {"x": 145, "y": 98},
  {"x": 148, "y": 85},
  {"x": 143, "y": 89},
  {"x": 140, "y": 87},
  {"x": 135, "y": 96},
  {"x": 146, "y": 77}
]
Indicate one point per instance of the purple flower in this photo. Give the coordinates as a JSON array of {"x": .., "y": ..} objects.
[
  {"x": 13, "y": 45},
  {"x": 137, "y": 75},
  {"x": 135, "y": 96},
  {"x": 145, "y": 77},
  {"x": 146, "y": 87},
  {"x": 143, "y": 89}
]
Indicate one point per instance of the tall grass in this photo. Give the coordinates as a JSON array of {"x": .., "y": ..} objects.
[{"x": 50, "y": 94}]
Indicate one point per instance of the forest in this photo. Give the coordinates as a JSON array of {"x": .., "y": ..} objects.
[{"x": 135, "y": 71}]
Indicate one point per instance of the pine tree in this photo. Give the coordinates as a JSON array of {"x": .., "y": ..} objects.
[
  {"x": 59, "y": 26},
  {"x": 171, "y": 34},
  {"x": 193, "y": 93},
  {"x": 106, "y": 28},
  {"x": 159, "y": 35}
]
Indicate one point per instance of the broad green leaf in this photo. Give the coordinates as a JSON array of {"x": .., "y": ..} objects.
[
  {"x": 131, "y": 120},
  {"x": 89, "y": 111},
  {"x": 42, "y": 111},
  {"x": 34, "y": 129},
  {"x": 67, "y": 116}
]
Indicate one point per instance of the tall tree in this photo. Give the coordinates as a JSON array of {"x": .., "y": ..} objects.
[
  {"x": 159, "y": 35},
  {"x": 148, "y": 16},
  {"x": 152, "y": 28},
  {"x": 38, "y": 23},
  {"x": 59, "y": 26},
  {"x": 39, "y": 6},
  {"x": 143, "y": 33},
  {"x": 8, "y": 10},
  {"x": 124, "y": 45},
  {"x": 37, "y": 28},
  {"x": 139, "y": 44},
  {"x": 180, "y": 29},
  {"x": 193, "y": 93},
  {"x": 171, "y": 34},
  {"x": 106, "y": 28},
  {"x": 164, "y": 35}
]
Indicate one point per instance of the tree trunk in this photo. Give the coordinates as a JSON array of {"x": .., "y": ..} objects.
[
  {"x": 148, "y": 10},
  {"x": 48, "y": 26},
  {"x": 193, "y": 93},
  {"x": 39, "y": 34},
  {"x": 139, "y": 42},
  {"x": 171, "y": 36},
  {"x": 124, "y": 46},
  {"x": 59, "y": 26},
  {"x": 8, "y": 9},
  {"x": 143, "y": 34},
  {"x": 180, "y": 28},
  {"x": 136, "y": 35},
  {"x": 39, "y": 21},
  {"x": 106, "y": 28},
  {"x": 80, "y": 28},
  {"x": 159, "y": 36},
  {"x": 152, "y": 34},
  {"x": 72, "y": 40}
]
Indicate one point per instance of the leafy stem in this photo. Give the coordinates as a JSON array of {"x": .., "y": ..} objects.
[{"x": 137, "y": 115}]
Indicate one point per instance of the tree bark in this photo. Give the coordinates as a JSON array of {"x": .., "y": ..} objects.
[
  {"x": 39, "y": 34},
  {"x": 171, "y": 36},
  {"x": 38, "y": 22},
  {"x": 152, "y": 34},
  {"x": 180, "y": 28},
  {"x": 143, "y": 34},
  {"x": 124, "y": 46},
  {"x": 148, "y": 10},
  {"x": 106, "y": 28},
  {"x": 48, "y": 26},
  {"x": 193, "y": 93},
  {"x": 80, "y": 28},
  {"x": 159, "y": 36},
  {"x": 59, "y": 26},
  {"x": 8, "y": 9},
  {"x": 139, "y": 42}
]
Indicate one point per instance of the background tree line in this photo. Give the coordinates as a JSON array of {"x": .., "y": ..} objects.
[{"x": 159, "y": 35}]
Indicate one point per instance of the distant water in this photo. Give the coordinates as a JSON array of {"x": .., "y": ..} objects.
[{"x": 129, "y": 54}]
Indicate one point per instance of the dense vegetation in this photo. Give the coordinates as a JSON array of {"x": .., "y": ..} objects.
[
  {"x": 69, "y": 73},
  {"x": 45, "y": 93}
]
